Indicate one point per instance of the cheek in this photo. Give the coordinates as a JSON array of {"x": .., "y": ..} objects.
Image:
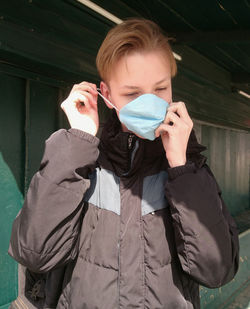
[
  {"x": 119, "y": 101},
  {"x": 167, "y": 96}
]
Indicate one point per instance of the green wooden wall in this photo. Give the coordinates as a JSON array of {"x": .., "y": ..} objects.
[
  {"x": 28, "y": 115},
  {"x": 10, "y": 202}
]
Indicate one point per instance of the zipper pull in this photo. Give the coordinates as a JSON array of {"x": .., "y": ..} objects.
[{"x": 130, "y": 140}]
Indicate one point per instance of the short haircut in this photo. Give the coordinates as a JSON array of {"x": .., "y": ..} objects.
[{"x": 132, "y": 35}]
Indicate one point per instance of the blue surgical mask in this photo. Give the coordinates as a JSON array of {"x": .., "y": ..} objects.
[{"x": 143, "y": 115}]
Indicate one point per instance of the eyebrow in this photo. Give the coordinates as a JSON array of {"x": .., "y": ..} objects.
[
  {"x": 162, "y": 80},
  {"x": 136, "y": 87},
  {"x": 131, "y": 87}
]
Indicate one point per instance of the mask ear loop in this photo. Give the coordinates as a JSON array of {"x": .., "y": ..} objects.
[{"x": 98, "y": 90}]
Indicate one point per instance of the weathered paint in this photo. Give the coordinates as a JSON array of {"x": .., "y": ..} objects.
[
  {"x": 10, "y": 202},
  {"x": 241, "y": 299}
]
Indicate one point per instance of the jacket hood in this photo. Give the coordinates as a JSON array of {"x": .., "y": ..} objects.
[{"x": 125, "y": 153}]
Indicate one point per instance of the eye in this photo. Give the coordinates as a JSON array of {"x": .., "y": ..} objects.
[
  {"x": 131, "y": 94},
  {"x": 161, "y": 89}
]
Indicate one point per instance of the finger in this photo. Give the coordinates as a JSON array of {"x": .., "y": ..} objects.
[
  {"x": 75, "y": 98},
  {"x": 80, "y": 97},
  {"x": 83, "y": 100},
  {"x": 91, "y": 85},
  {"x": 89, "y": 101},
  {"x": 163, "y": 128},
  {"x": 180, "y": 109},
  {"x": 85, "y": 86},
  {"x": 172, "y": 119}
]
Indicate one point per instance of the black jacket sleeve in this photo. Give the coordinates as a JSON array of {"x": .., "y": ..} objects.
[
  {"x": 45, "y": 231},
  {"x": 206, "y": 235}
]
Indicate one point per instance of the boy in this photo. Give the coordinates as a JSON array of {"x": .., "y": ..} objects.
[{"x": 137, "y": 215}]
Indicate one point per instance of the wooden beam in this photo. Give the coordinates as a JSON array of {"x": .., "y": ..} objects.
[
  {"x": 211, "y": 36},
  {"x": 241, "y": 78}
]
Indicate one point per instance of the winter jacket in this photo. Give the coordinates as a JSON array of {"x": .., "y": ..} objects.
[{"x": 110, "y": 225}]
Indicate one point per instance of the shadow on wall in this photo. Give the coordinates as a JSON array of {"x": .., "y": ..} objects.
[{"x": 11, "y": 201}]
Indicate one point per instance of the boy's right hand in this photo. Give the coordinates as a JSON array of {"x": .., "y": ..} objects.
[{"x": 81, "y": 108}]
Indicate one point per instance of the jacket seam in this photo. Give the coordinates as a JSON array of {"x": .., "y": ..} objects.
[
  {"x": 99, "y": 265},
  {"x": 143, "y": 260},
  {"x": 159, "y": 267},
  {"x": 52, "y": 252},
  {"x": 83, "y": 135},
  {"x": 185, "y": 246},
  {"x": 119, "y": 253},
  {"x": 60, "y": 186},
  {"x": 182, "y": 234},
  {"x": 143, "y": 255}
]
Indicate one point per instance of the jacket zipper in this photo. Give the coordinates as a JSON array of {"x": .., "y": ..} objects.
[{"x": 130, "y": 140}]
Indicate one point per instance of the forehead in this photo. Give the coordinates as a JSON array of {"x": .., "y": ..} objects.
[{"x": 138, "y": 68}]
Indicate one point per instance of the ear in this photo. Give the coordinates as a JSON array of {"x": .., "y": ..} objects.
[{"x": 106, "y": 93}]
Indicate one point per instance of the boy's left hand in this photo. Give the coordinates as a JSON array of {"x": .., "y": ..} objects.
[{"x": 175, "y": 131}]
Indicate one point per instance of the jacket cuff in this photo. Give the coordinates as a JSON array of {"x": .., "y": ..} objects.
[
  {"x": 84, "y": 135},
  {"x": 174, "y": 172}
]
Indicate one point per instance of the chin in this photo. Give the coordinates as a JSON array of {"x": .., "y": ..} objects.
[
  {"x": 125, "y": 129},
  {"x": 138, "y": 135}
]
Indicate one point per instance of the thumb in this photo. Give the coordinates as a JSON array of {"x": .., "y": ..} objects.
[{"x": 163, "y": 128}]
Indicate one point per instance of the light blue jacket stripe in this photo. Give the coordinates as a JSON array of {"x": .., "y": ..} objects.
[
  {"x": 153, "y": 193},
  {"x": 104, "y": 191}
]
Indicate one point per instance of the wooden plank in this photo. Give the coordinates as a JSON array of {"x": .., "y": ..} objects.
[
  {"x": 42, "y": 123},
  {"x": 30, "y": 45},
  {"x": 12, "y": 91},
  {"x": 209, "y": 37}
]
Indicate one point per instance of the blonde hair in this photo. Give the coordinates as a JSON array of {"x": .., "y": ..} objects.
[{"x": 132, "y": 35}]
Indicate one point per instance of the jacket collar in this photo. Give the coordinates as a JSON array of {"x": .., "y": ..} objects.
[{"x": 125, "y": 153}]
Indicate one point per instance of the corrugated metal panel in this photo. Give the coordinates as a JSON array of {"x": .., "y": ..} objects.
[{"x": 228, "y": 156}]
